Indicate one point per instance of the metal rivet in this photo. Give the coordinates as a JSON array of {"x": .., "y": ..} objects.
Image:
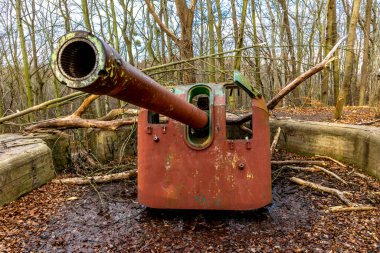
[
  {"x": 156, "y": 139},
  {"x": 241, "y": 166}
]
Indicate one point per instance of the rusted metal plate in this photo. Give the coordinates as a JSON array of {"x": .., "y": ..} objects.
[{"x": 227, "y": 175}]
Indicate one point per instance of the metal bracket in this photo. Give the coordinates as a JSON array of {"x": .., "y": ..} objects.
[{"x": 244, "y": 83}]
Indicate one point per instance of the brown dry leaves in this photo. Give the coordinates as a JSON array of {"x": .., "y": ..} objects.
[
  {"x": 351, "y": 115},
  {"x": 29, "y": 215}
]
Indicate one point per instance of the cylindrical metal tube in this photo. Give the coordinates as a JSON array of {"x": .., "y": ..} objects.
[{"x": 84, "y": 62}]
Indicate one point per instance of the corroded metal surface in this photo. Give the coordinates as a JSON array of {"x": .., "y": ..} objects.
[
  {"x": 191, "y": 166},
  {"x": 227, "y": 175},
  {"x": 84, "y": 62}
]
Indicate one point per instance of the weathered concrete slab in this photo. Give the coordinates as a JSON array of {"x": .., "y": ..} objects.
[
  {"x": 358, "y": 145},
  {"x": 111, "y": 145},
  {"x": 25, "y": 164}
]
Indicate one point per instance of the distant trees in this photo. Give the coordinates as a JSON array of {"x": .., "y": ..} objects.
[
  {"x": 294, "y": 35},
  {"x": 185, "y": 41}
]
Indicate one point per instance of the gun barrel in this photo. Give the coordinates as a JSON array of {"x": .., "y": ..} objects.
[{"x": 84, "y": 62}]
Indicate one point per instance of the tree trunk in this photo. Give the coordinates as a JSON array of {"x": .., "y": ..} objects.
[
  {"x": 185, "y": 42},
  {"x": 65, "y": 14},
  {"x": 240, "y": 39},
  {"x": 331, "y": 9},
  {"x": 211, "y": 34},
  {"x": 28, "y": 85},
  {"x": 128, "y": 36},
  {"x": 114, "y": 26},
  {"x": 86, "y": 15},
  {"x": 256, "y": 70},
  {"x": 222, "y": 75},
  {"x": 365, "y": 64},
  {"x": 348, "y": 66},
  {"x": 335, "y": 63},
  {"x": 296, "y": 92}
]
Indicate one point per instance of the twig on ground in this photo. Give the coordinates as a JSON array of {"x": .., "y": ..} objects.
[
  {"x": 330, "y": 173},
  {"x": 290, "y": 162},
  {"x": 335, "y": 209},
  {"x": 331, "y": 159},
  {"x": 306, "y": 169},
  {"x": 97, "y": 179},
  {"x": 319, "y": 187},
  {"x": 275, "y": 140},
  {"x": 361, "y": 175}
]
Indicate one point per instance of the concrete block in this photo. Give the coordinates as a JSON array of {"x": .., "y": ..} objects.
[
  {"x": 111, "y": 145},
  {"x": 59, "y": 144},
  {"x": 25, "y": 164}
]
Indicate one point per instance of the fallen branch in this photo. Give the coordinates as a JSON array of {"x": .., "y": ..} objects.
[
  {"x": 330, "y": 173},
  {"x": 335, "y": 209},
  {"x": 97, "y": 179},
  {"x": 275, "y": 140},
  {"x": 292, "y": 85},
  {"x": 114, "y": 113},
  {"x": 290, "y": 162},
  {"x": 362, "y": 175},
  {"x": 41, "y": 106},
  {"x": 305, "y": 169},
  {"x": 85, "y": 104},
  {"x": 318, "y": 187},
  {"x": 77, "y": 122},
  {"x": 246, "y": 129},
  {"x": 331, "y": 159}
]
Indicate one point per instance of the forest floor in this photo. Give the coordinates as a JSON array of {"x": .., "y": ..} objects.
[
  {"x": 351, "y": 114},
  {"x": 107, "y": 218}
]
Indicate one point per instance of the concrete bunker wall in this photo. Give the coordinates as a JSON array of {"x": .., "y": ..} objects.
[{"x": 357, "y": 145}]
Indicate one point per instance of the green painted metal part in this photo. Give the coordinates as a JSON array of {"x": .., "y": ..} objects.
[
  {"x": 244, "y": 83},
  {"x": 201, "y": 143}
]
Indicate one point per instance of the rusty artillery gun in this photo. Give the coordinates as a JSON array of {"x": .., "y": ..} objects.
[{"x": 188, "y": 160}]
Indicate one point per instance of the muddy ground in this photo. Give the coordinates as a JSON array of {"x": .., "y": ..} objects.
[{"x": 107, "y": 218}]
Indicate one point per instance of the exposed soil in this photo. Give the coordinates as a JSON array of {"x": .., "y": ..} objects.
[
  {"x": 107, "y": 218},
  {"x": 351, "y": 115}
]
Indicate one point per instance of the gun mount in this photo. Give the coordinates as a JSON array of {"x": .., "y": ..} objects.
[{"x": 188, "y": 161}]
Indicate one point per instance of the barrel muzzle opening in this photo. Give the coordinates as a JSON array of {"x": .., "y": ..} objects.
[{"x": 77, "y": 59}]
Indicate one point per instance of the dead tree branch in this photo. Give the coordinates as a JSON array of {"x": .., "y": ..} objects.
[
  {"x": 275, "y": 140},
  {"x": 292, "y": 162},
  {"x": 41, "y": 106},
  {"x": 319, "y": 187},
  {"x": 114, "y": 113},
  {"x": 330, "y": 173},
  {"x": 331, "y": 159},
  {"x": 335, "y": 209},
  {"x": 292, "y": 85},
  {"x": 97, "y": 179},
  {"x": 75, "y": 121},
  {"x": 85, "y": 104}
]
